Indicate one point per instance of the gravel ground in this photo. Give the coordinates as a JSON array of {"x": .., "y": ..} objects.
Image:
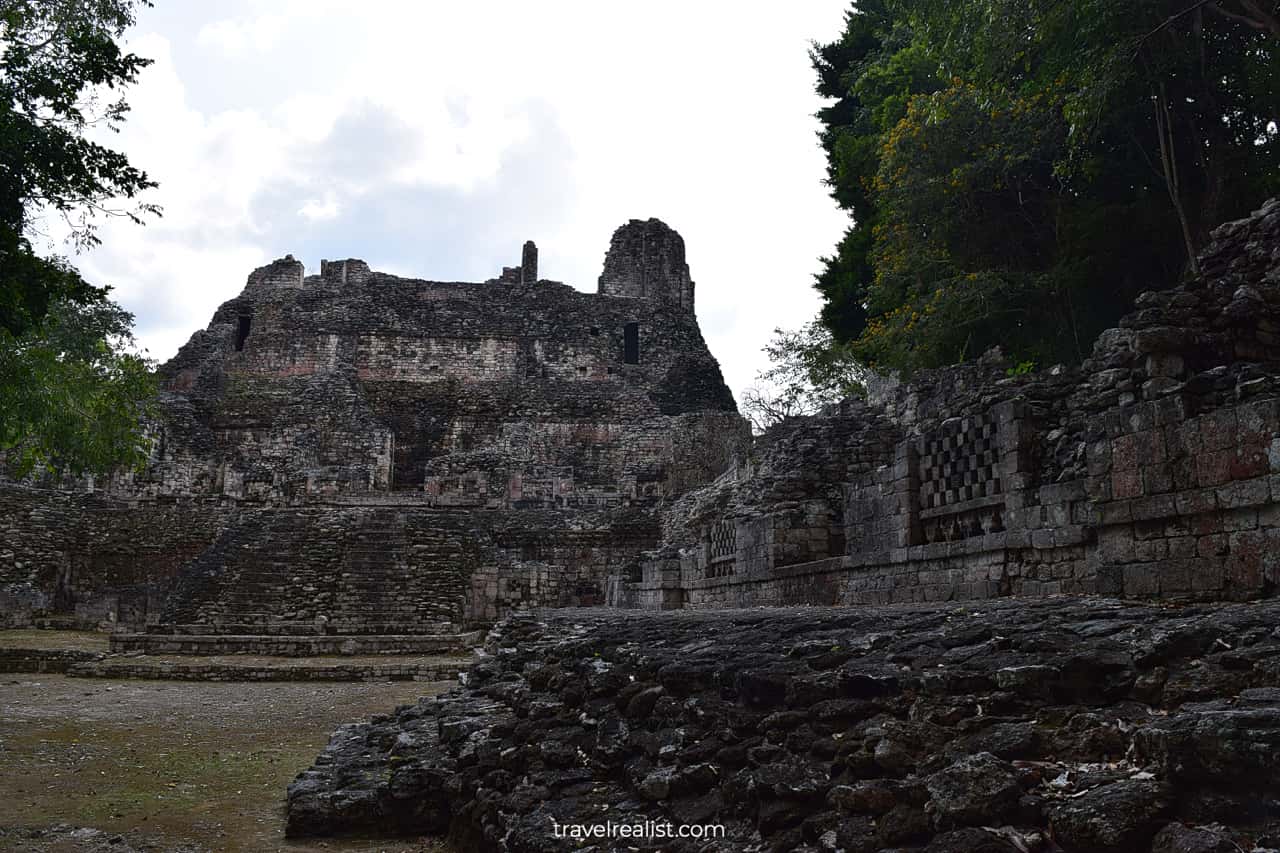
[{"x": 150, "y": 765}]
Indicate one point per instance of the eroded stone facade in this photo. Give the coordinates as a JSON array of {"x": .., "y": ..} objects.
[
  {"x": 1151, "y": 470},
  {"x": 375, "y": 452}
]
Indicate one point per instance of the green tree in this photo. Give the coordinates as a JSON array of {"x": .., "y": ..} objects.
[
  {"x": 966, "y": 253},
  {"x": 807, "y": 372},
  {"x": 73, "y": 393},
  {"x": 870, "y": 74},
  {"x": 1188, "y": 88},
  {"x": 59, "y": 62},
  {"x": 1042, "y": 164}
]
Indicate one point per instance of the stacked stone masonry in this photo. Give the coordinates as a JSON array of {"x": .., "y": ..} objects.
[
  {"x": 1152, "y": 470},
  {"x": 354, "y": 453},
  {"x": 1081, "y": 725}
]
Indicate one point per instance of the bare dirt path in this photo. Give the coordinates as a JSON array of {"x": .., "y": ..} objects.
[{"x": 170, "y": 765}]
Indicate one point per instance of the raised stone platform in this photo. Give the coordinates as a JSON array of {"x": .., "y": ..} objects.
[
  {"x": 44, "y": 660},
  {"x": 401, "y": 669},
  {"x": 284, "y": 645},
  {"x": 1083, "y": 725},
  {"x": 276, "y": 627},
  {"x": 80, "y": 654}
]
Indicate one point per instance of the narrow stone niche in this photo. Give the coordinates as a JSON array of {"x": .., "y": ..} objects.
[
  {"x": 242, "y": 332},
  {"x": 631, "y": 343}
]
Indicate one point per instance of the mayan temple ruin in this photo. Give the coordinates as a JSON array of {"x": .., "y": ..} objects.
[{"x": 357, "y": 460}]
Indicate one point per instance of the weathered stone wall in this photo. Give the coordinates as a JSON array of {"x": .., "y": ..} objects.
[
  {"x": 347, "y": 568},
  {"x": 44, "y": 660},
  {"x": 1151, "y": 470},
  {"x": 98, "y": 560},
  {"x": 352, "y": 447},
  {"x": 402, "y": 569},
  {"x": 37, "y": 545}
]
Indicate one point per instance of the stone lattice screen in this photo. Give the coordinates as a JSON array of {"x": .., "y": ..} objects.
[
  {"x": 959, "y": 473},
  {"x": 722, "y": 548},
  {"x": 959, "y": 462}
]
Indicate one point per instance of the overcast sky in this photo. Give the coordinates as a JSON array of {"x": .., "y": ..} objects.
[{"x": 433, "y": 138}]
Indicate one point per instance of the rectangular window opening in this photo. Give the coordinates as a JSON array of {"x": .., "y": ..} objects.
[
  {"x": 242, "y": 333},
  {"x": 631, "y": 343}
]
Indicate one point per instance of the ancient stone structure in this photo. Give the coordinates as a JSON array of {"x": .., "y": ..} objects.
[
  {"x": 1150, "y": 471},
  {"x": 1069, "y": 724},
  {"x": 353, "y": 453},
  {"x": 1034, "y": 716},
  {"x": 646, "y": 261}
]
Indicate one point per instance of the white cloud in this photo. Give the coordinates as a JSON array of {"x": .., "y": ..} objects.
[
  {"x": 239, "y": 35},
  {"x": 316, "y": 209},
  {"x": 436, "y": 137}
]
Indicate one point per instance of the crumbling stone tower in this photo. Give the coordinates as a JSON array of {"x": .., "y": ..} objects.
[{"x": 646, "y": 261}]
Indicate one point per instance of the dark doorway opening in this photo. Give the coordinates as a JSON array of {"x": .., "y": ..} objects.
[
  {"x": 242, "y": 332},
  {"x": 631, "y": 343}
]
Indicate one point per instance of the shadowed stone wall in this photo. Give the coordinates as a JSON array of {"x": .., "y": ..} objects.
[{"x": 90, "y": 559}]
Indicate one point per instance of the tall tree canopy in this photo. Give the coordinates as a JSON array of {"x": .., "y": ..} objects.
[
  {"x": 73, "y": 392},
  {"x": 1018, "y": 170},
  {"x": 58, "y": 65}
]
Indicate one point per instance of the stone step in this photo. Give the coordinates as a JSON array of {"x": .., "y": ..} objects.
[
  {"x": 374, "y": 570},
  {"x": 44, "y": 660},
  {"x": 370, "y": 610},
  {"x": 380, "y": 574},
  {"x": 246, "y": 624},
  {"x": 292, "y": 646},
  {"x": 141, "y": 667},
  {"x": 400, "y": 590}
]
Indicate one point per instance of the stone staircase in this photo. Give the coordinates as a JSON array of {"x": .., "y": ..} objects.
[{"x": 322, "y": 581}]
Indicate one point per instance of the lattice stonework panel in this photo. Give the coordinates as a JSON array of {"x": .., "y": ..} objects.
[
  {"x": 722, "y": 548},
  {"x": 958, "y": 462}
]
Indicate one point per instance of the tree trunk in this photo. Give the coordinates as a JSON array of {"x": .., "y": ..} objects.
[{"x": 1169, "y": 164}]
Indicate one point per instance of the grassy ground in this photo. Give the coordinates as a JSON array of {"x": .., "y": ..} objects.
[
  {"x": 89, "y": 641},
  {"x": 197, "y": 766}
]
